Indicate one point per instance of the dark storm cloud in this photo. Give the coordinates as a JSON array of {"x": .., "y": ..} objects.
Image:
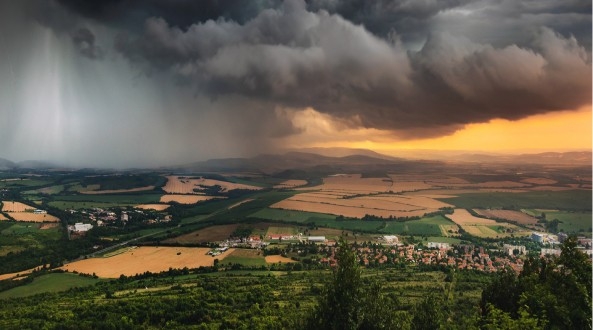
[
  {"x": 417, "y": 68},
  {"x": 299, "y": 58},
  {"x": 84, "y": 40}
]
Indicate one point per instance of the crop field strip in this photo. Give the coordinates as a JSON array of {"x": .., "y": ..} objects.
[
  {"x": 184, "y": 185},
  {"x": 509, "y": 215},
  {"x": 142, "y": 259}
]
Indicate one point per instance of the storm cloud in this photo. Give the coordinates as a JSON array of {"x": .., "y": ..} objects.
[
  {"x": 414, "y": 69},
  {"x": 299, "y": 58}
]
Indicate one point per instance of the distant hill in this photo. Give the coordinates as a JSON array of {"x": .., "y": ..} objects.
[
  {"x": 269, "y": 163},
  {"x": 6, "y": 164},
  {"x": 545, "y": 158},
  {"x": 344, "y": 152}
]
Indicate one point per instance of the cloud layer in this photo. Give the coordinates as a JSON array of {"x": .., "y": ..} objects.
[{"x": 412, "y": 69}]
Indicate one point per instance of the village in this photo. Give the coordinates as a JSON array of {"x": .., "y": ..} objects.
[{"x": 388, "y": 250}]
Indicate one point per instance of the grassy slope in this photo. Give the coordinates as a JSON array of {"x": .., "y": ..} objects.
[{"x": 49, "y": 283}]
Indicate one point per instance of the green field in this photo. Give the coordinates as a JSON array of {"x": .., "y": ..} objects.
[
  {"x": 112, "y": 198},
  {"x": 425, "y": 226},
  {"x": 15, "y": 237},
  {"x": 49, "y": 283},
  {"x": 272, "y": 230},
  {"x": 560, "y": 200},
  {"x": 289, "y": 215},
  {"x": 51, "y": 190},
  {"x": 24, "y": 183},
  {"x": 572, "y": 222},
  {"x": 64, "y": 205},
  {"x": 245, "y": 257}
]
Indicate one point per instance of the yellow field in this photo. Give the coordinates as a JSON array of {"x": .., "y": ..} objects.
[
  {"x": 290, "y": 184},
  {"x": 115, "y": 191},
  {"x": 516, "y": 216},
  {"x": 19, "y": 274},
  {"x": 463, "y": 217},
  {"x": 353, "y": 196},
  {"x": 2, "y": 217},
  {"x": 185, "y": 199},
  {"x": 15, "y": 207},
  {"x": 142, "y": 259},
  {"x": 278, "y": 259},
  {"x": 156, "y": 207},
  {"x": 347, "y": 211},
  {"x": 481, "y": 227},
  {"x": 184, "y": 185},
  {"x": 32, "y": 217}
]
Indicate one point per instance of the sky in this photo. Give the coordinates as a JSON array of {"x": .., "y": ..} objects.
[{"x": 139, "y": 83}]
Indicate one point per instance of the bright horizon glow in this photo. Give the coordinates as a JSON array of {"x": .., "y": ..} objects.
[{"x": 559, "y": 131}]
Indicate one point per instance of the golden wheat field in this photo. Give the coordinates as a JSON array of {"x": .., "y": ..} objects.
[
  {"x": 351, "y": 195},
  {"x": 185, "y": 185},
  {"x": 148, "y": 258},
  {"x": 156, "y": 207},
  {"x": 8, "y": 206},
  {"x": 185, "y": 199},
  {"x": 510, "y": 215},
  {"x": 2, "y": 217},
  {"x": 278, "y": 259},
  {"x": 344, "y": 210},
  {"x": 463, "y": 217},
  {"x": 32, "y": 217}
]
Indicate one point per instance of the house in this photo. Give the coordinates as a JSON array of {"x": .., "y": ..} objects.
[
  {"x": 391, "y": 239},
  {"x": 551, "y": 252},
  {"x": 316, "y": 239},
  {"x": 439, "y": 245},
  {"x": 80, "y": 227},
  {"x": 38, "y": 211},
  {"x": 510, "y": 249}
]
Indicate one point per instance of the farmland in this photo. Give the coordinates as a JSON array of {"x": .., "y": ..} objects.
[
  {"x": 571, "y": 222},
  {"x": 156, "y": 207},
  {"x": 562, "y": 200},
  {"x": 481, "y": 227},
  {"x": 185, "y": 199},
  {"x": 143, "y": 259},
  {"x": 246, "y": 257},
  {"x": 9, "y": 206},
  {"x": 277, "y": 259},
  {"x": 49, "y": 283},
  {"x": 357, "y": 207},
  {"x": 508, "y": 215},
  {"x": 190, "y": 185},
  {"x": 33, "y": 217}
]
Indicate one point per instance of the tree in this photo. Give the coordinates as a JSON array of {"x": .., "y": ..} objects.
[
  {"x": 556, "y": 292},
  {"x": 349, "y": 302}
]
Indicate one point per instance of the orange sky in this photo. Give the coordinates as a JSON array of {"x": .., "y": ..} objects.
[{"x": 566, "y": 130}]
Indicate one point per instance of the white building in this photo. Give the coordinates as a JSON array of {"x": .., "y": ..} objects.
[
  {"x": 316, "y": 239},
  {"x": 391, "y": 239},
  {"x": 438, "y": 245},
  {"x": 550, "y": 252},
  {"x": 510, "y": 249},
  {"x": 82, "y": 227}
]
